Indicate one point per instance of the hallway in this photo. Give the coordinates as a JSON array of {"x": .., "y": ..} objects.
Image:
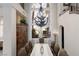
[{"x": 39, "y": 29}]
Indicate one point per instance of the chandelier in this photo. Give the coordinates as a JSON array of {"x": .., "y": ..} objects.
[{"x": 41, "y": 19}]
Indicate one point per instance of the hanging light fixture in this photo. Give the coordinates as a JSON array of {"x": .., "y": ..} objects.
[{"x": 41, "y": 19}]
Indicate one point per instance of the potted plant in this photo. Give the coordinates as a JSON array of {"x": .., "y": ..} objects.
[{"x": 23, "y": 21}]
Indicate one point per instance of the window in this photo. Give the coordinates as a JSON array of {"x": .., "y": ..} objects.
[
  {"x": 1, "y": 27},
  {"x": 40, "y": 20}
]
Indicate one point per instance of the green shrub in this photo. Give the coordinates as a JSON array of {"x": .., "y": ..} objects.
[{"x": 23, "y": 21}]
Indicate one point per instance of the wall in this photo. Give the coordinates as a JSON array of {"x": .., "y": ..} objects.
[
  {"x": 19, "y": 9},
  {"x": 1, "y": 29},
  {"x": 71, "y": 32},
  {"x": 52, "y": 19},
  {"x": 9, "y": 34},
  {"x": 1, "y": 19},
  {"x": 27, "y": 7},
  {"x": 9, "y": 28}
]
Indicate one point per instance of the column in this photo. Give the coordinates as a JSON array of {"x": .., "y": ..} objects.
[{"x": 9, "y": 35}]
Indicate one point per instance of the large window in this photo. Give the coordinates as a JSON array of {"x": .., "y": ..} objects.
[
  {"x": 1, "y": 27},
  {"x": 40, "y": 20}
]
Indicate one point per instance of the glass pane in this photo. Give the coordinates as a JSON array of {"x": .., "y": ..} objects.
[{"x": 40, "y": 19}]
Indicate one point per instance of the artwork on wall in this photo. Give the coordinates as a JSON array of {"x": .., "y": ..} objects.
[
  {"x": 75, "y": 8},
  {"x": 72, "y": 7},
  {"x": 65, "y": 8}
]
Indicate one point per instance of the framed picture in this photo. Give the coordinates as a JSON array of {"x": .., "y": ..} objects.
[{"x": 65, "y": 8}]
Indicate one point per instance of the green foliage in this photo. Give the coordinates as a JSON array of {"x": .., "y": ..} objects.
[{"x": 23, "y": 21}]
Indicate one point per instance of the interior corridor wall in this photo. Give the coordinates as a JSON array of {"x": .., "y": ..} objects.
[
  {"x": 71, "y": 32},
  {"x": 53, "y": 20},
  {"x": 9, "y": 34},
  {"x": 28, "y": 9},
  {"x": 9, "y": 27}
]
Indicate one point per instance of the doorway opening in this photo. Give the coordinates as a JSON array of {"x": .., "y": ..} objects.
[{"x": 62, "y": 35}]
